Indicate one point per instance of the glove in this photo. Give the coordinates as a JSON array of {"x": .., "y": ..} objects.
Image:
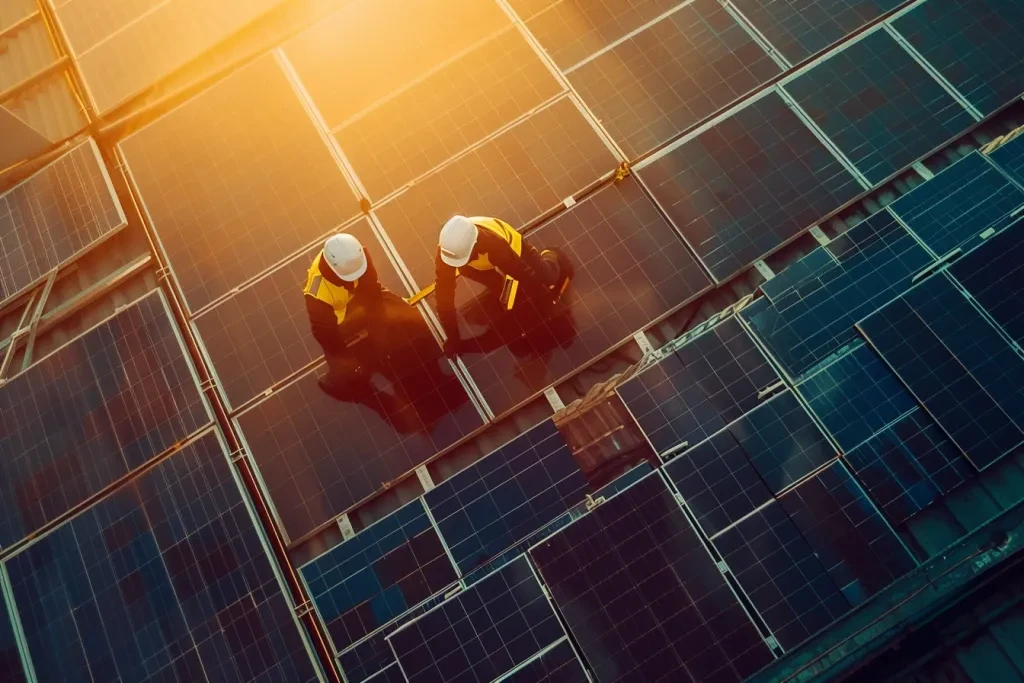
[{"x": 451, "y": 347}]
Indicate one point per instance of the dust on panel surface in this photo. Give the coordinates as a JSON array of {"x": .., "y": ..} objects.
[
  {"x": 748, "y": 184},
  {"x": 879, "y": 106},
  {"x": 167, "y": 578},
  {"x": 975, "y": 44},
  {"x": 235, "y": 180},
  {"x": 643, "y": 597},
  {"x": 319, "y": 456},
  {"x": 994, "y": 275},
  {"x": 672, "y": 75},
  {"x": 527, "y": 170},
  {"x": 52, "y": 215},
  {"x": 378, "y": 574},
  {"x": 90, "y": 413},
  {"x": 630, "y": 269},
  {"x": 262, "y": 334}
]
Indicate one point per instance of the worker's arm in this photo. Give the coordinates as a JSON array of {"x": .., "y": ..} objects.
[
  {"x": 370, "y": 292},
  {"x": 508, "y": 262},
  {"x": 324, "y": 324},
  {"x": 444, "y": 293}
]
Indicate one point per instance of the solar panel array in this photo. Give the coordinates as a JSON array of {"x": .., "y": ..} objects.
[
  {"x": 166, "y": 579},
  {"x": 54, "y": 214},
  {"x": 558, "y": 665},
  {"x": 993, "y": 274},
  {"x": 1009, "y": 156},
  {"x": 91, "y": 412}
]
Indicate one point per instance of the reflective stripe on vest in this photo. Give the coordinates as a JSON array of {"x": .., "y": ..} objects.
[
  {"x": 318, "y": 287},
  {"x": 482, "y": 262}
]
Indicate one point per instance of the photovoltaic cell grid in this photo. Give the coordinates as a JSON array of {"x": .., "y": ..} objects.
[
  {"x": 52, "y": 215},
  {"x": 859, "y": 271},
  {"x": 517, "y": 176},
  {"x": 963, "y": 372},
  {"x": 165, "y": 579},
  {"x": 879, "y": 106},
  {"x": 376, "y": 576},
  {"x": 908, "y": 465},
  {"x": 630, "y": 268},
  {"x": 959, "y": 204},
  {"x": 994, "y": 275},
  {"x": 572, "y": 30},
  {"x": 392, "y": 674},
  {"x": 558, "y": 665},
  {"x": 672, "y": 75},
  {"x": 703, "y": 386},
  {"x": 445, "y": 113},
  {"x": 801, "y": 28},
  {"x": 856, "y": 396},
  {"x": 506, "y": 495},
  {"x": 975, "y": 44},
  {"x": 847, "y": 533},
  {"x": 642, "y": 596},
  {"x": 10, "y": 660},
  {"x": 236, "y": 179},
  {"x": 319, "y": 456},
  {"x": 1010, "y": 157},
  {"x": 90, "y": 413},
  {"x": 781, "y": 574},
  {"x": 748, "y": 184},
  {"x": 481, "y": 633},
  {"x": 262, "y": 334}
]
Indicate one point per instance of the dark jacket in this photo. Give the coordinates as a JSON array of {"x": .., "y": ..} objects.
[{"x": 364, "y": 306}]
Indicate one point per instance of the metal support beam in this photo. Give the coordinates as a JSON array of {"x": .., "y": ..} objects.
[
  {"x": 18, "y": 25},
  {"x": 34, "y": 80},
  {"x": 33, "y": 325}
]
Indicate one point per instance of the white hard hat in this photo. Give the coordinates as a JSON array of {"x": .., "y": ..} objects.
[
  {"x": 458, "y": 237},
  {"x": 345, "y": 256}
]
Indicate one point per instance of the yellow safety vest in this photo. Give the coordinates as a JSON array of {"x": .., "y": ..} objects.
[
  {"x": 482, "y": 262},
  {"x": 319, "y": 288}
]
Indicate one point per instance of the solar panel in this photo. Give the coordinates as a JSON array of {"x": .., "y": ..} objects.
[
  {"x": 959, "y": 203},
  {"x": 631, "y": 268},
  {"x": 812, "y": 317},
  {"x": 993, "y": 274},
  {"x": 908, "y": 465},
  {"x": 392, "y": 674},
  {"x": 974, "y": 44},
  {"x": 341, "y": 64},
  {"x": 879, "y": 106},
  {"x": 672, "y": 75},
  {"x": 318, "y": 456},
  {"x": 963, "y": 372},
  {"x": 847, "y": 533},
  {"x": 168, "y": 578},
  {"x": 557, "y": 665},
  {"x": 507, "y": 495},
  {"x": 59, "y": 211},
  {"x": 748, "y": 184},
  {"x": 1010, "y": 157},
  {"x": 91, "y": 412},
  {"x": 717, "y": 482},
  {"x": 261, "y": 335},
  {"x": 643, "y": 597},
  {"x": 703, "y": 386},
  {"x": 526, "y": 9},
  {"x": 572, "y": 30},
  {"x": 516, "y": 176},
  {"x": 801, "y": 28},
  {"x": 780, "y": 572},
  {"x": 224, "y": 203},
  {"x": 440, "y": 116},
  {"x": 377, "y": 575},
  {"x": 11, "y": 670},
  {"x": 856, "y": 396},
  {"x": 480, "y": 633}
]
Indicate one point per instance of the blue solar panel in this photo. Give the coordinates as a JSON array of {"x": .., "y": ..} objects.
[
  {"x": 994, "y": 275},
  {"x": 558, "y": 665},
  {"x": 507, "y": 495},
  {"x": 959, "y": 203},
  {"x": 707, "y": 383},
  {"x": 748, "y": 184},
  {"x": 374, "y": 577},
  {"x": 801, "y": 28},
  {"x": 1010, "y": 157},
  {"x": 908, "y": 465},
  {"x": 879, "y": 106},
  {"x": 963, "y": 372},
  {"x": 643, "y": 597},
  {"x": 10, "y": 660},
  {"x": 92, "y": 412},
  {"x": 482, "y": 632},
  {"x": 846, "y": 532},
  {"x": 856, "y": 396},
  {"x": 975, "y": 44},
  {"x": 166, "y": 579},
  {"x": 811, "y": 317},
  {"x": 812, "y": 265},
  {"x": 780, "y": 573}
]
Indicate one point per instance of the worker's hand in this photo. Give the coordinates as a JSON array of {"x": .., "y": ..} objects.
[{"x": 451, "y": 347}]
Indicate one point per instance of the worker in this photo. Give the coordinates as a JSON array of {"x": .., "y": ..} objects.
[{"x": 492, "y": 252}]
